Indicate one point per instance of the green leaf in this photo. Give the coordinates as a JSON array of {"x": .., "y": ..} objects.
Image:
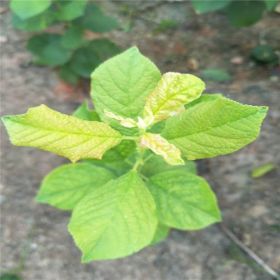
[
  {"x": 173, "y": 91},
  {"x": 162, "y": 147},
  {"x": 36, "y": 23},
  {"x": 184, "y": 200},
  {"x": 245, "y": 12},
  {"x": 70, "y": 9},
  {"x": 73, "y": 38},
  {"x": 264, "y": 54},
  {"x": 271, "y": 4},
  {"x": 87, "y": 58},
  {"x": 166, "y": 25},
  {"x": 66, "y": 185},
  {"x": 96, "y": 21},
  {"x": 10, "y": 276},
  {"x": 155, "y": 164},
  {"x": 121, "y": 84},
  {"x": 83, "y": 112},
  {"x": 28, "y": 8},
  {"x": 205, "y": 98},
  {"x": 66, "y": 74},
  {"x": 117, "y": 160},
  {"x": 47, "y": 49},
  {"x": 114, "y": 220},
  {"x": 61, "y": 134},
  {"x": 216, "y": 74},
  {"x": 161, "y": 234},
  {"x": 205, "y": 6},
  {"x": 262, "y": 170},
  {"x": 216, "y": 127}
]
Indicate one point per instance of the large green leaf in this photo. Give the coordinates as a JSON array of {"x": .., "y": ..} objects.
[
  {"x": 96, "y": 21},
  {"x": 70, "y": 9},
  {"x": 156, "y": 164},
  {"x": 47, "y": 49},
  {"x": 245, "y": 12},
  {"x": 161, "y": 233},
  {"x": 28, "y": 8},
  {"x": 184, "y": 200},
  {"x": 87, "y": 58},
  {"x": 61, "y": 134},
  {"x": 204, "y": 98},
  {"x": 173, "y": 91},
  {"x": 66, "y": 185},
  {"x": 215, "y": 127},
  {"x": 114, "y": 220},
  {"x": 205, "y": 6},
  {"x": 119, "y": 159},
  {"x": 121, "y": 84}
]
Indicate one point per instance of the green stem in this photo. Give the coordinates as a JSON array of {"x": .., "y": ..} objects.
[
  {"x": 140, "y": 159},
  {"x": 143, "y": 177},
  {"x": 137, "y": 164},
  {"x": 148, "y": 157}
]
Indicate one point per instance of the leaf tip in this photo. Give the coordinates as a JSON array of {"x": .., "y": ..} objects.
[
  {"x": 4, "y": 119},
  {"x": 264, "y": 109},
  {"x": 86, "y": 258},
  {"x": 134, "y": 49}
]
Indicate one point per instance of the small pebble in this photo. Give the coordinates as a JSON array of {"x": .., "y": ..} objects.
[
  {"x": 274, "y": 79},
  {"x": 192, "y": 64},
  {"x": 3, "y": 39},
  {"x": 237, "y": 60}
]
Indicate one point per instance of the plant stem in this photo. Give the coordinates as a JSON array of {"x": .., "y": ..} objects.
[
  {"x": 148, "y": 157},
  {"x": 249, "y": 252},
  {"x": 137, "y": 164},
  {"x": 143, "y": 177},
  {"x": 140, "y": 159}
]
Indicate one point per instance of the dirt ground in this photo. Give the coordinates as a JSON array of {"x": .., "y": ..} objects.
[{"x": 250, "y": 207}]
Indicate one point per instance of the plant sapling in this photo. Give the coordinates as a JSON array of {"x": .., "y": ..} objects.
[{"x": 132, "y": 175}]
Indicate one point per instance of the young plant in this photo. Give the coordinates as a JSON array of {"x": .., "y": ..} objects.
[
  {"x": 240, "y": 13},
  {"x": 135, "y": 178},
  {"x": 68, "y": 48}
]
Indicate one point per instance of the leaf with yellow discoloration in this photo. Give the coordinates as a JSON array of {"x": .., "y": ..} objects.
[
  {"x": 126, "y": 122},
  {"x": 173, "y": 91},
  {"x": 162, "y": 147},
  {"x": 67, "y": 136}
]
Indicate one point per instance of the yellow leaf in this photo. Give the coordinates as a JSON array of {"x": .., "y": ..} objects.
[
  {"x": 126, "y": 122},
  {"x": 162, "y": 147},
  {"x": 173, "y": 91}
]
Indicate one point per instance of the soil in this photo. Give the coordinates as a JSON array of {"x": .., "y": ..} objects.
[{"x": 250, "y": 207}]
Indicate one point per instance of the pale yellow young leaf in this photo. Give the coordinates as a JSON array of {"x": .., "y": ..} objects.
[
  {"x": 173, "y": 91},
  {"x": 162, "y": 147},
  {"x": 67, "y": 136},
  {"x": 126, "y": 122}
]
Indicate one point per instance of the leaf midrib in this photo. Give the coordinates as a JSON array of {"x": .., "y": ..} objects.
[
  {"x": 162, "y": 104},
  {"x": 67, "y": 132}
]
